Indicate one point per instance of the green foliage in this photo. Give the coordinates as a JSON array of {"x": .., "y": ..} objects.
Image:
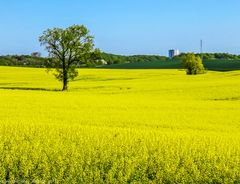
[
  {"x": 93, "y": 58},
  {"x": 68, "y": 47},
  {"x": 211, "y": 56},
  {"x": 221, "y": 61},
  {"x": 217, "y": 65},
  {"x": 23, "y": 60},
  {"x": 193, "y": 64},
  {"x": 119, "y": 59},
  {"x": 147, "y": 65}
]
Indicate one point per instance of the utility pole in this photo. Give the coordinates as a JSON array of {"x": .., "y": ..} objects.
[{"x": 201, "y": 49}]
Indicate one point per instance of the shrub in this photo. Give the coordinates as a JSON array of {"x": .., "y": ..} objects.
[{"x": 193, "y": 64}]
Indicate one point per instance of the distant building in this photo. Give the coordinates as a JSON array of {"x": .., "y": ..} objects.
[
  {"x": 103, "y": 62},
  {"x": 36, "y": 54},
  {"x": 173, "y": 53}
]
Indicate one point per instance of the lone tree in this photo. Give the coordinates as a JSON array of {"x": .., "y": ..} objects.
[
  {"x": 68, "y": 48},
  {"x": 193, "y": 64}
]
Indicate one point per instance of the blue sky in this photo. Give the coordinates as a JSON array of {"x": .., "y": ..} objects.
[{"x": 125, "y": 26}]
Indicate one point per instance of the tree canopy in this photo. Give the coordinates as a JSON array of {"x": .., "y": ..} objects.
[
  {"x": 67, "y": 48},
  {"x": 193, "y": 64}
]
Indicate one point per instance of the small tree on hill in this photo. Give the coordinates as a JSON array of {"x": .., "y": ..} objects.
[
  {"x": 67, "y": 48},
  {"x": 193, "y": 64}
]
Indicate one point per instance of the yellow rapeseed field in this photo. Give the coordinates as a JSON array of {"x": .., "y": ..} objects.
[{"x": 120, "y": 126}]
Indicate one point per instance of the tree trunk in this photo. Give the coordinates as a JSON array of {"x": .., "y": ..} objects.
[
  {"x": 65, "y": 76},
  {"x": 65, "y": 86},
  {"x": 65, "y": 83}
]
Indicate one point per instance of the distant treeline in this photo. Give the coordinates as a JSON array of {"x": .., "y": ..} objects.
[
  {"x": 22, "y": 60},
  {"x": 118, "y": 59},
  {"x": 32, "y": 61},
  {"x": 212, "y": 56},
  {"x": 36, "y": 61}
]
